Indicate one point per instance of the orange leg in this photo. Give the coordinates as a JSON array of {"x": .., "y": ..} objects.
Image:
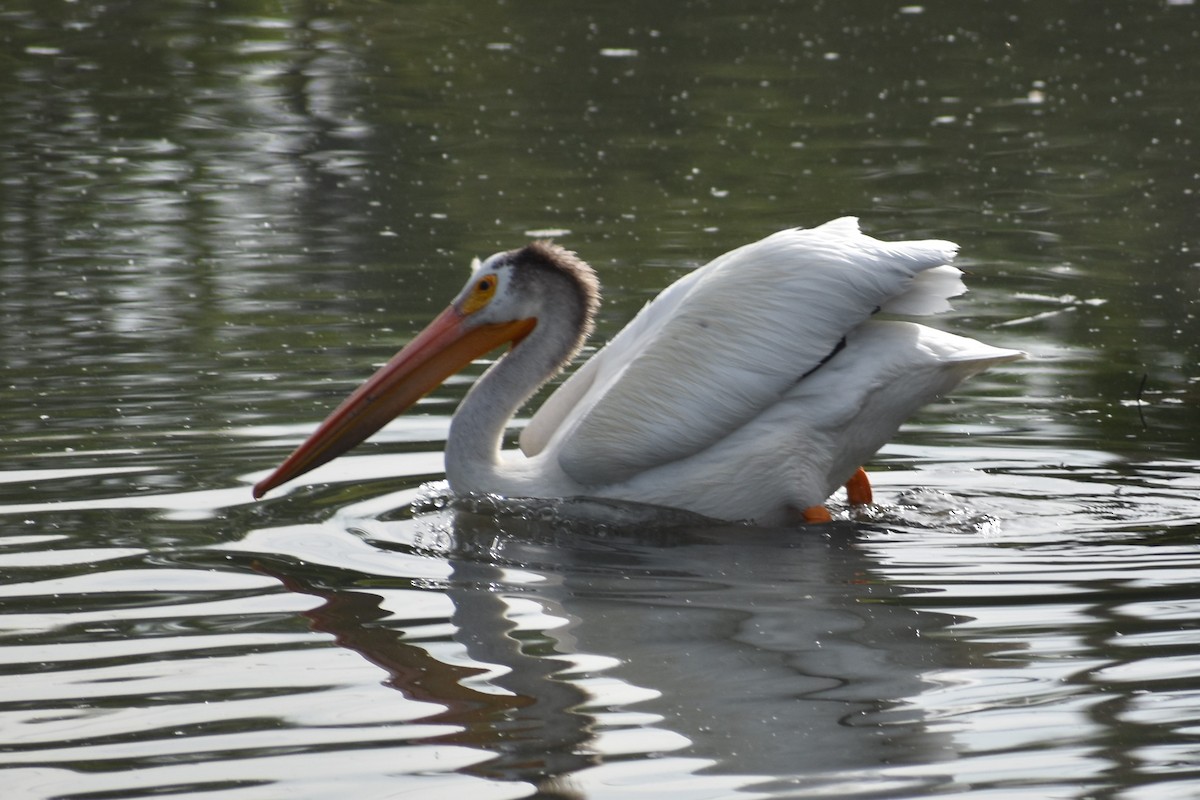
[
  {"x": 858, "y": 488},
  {"x": 858, "y": 492},
  {"x": 815, "y": 514}
]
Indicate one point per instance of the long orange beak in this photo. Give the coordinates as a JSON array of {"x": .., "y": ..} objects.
[{"x": 442, "y": 349}]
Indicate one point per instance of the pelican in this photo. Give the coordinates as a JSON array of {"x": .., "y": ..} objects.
[{"x": 752, "y": 388}]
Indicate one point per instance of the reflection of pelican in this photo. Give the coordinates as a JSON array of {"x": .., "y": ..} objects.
[
  {"x": 751, "y": 388},
  {"x": 794, "y": 659}
]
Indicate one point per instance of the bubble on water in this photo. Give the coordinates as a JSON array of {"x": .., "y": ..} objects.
[{"x": 431, "y": 496}]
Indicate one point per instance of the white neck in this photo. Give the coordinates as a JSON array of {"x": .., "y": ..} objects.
[{"x": 473, "y": 460}]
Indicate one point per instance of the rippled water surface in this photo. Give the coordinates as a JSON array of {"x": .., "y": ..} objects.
[{"x": 216, "y": 218}]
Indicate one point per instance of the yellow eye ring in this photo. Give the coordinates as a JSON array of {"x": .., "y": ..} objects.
[{"x": 480, "y": 295}]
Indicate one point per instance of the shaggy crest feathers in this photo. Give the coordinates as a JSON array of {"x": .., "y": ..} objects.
[{"x": 545, "y": 255}]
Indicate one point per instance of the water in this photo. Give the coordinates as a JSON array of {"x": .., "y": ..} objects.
[{"x": 214, "y": 220}]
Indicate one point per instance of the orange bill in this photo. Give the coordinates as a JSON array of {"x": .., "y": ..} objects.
[{"x": 447, "y": 345}]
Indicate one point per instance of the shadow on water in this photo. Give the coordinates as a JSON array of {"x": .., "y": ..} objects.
[{"x": 774, "y": 657}]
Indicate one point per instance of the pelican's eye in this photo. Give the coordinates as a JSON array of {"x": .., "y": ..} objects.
[{"x": 480, "y": 294}]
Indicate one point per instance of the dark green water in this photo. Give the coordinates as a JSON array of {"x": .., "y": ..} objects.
[{"x": 216, "y": 218}]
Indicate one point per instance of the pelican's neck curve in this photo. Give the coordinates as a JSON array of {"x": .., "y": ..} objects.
[{"x": 473, "y": 460}]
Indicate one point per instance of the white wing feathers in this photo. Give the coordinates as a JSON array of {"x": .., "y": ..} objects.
[{"x": 728, "y": 340}]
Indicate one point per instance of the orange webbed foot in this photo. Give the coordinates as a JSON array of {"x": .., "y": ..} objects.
[
  {"x": 815, "y": 514},
  {"x": 858, "y": 488}
]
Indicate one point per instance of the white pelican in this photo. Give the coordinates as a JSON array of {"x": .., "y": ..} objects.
[{"x": 750, "y": 389}]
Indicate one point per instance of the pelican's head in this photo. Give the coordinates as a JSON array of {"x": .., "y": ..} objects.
[
  {"x": 540, "y": 281},
  {"x": 508, "y": 295}
]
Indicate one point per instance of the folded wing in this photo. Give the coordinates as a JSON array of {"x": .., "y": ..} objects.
[{"x": 725, "y": 342}]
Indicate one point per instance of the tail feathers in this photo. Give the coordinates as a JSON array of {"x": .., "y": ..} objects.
[
  {"x": 929, "y": 293},
  {"x": 963, "y": 355}
]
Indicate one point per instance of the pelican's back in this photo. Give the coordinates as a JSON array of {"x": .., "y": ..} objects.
[{"x": 727, "y": 341}]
